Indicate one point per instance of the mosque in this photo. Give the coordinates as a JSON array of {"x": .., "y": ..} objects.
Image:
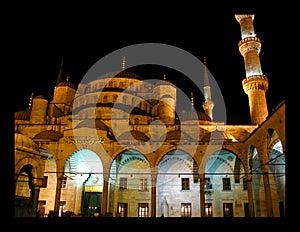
[{"x": 116, "y": 147}]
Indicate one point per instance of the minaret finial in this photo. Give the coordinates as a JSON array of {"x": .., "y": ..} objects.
[{"x": 123, "y": 63}]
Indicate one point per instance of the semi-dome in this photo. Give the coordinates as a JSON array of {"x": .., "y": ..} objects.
[
  {"x": 48, "y": 135},
  {"x": 218, "y": 135},
  {"x": 137, "y": 135},
  {"x": 66, "y": 83},
  {"x": 187, "y": 115},
  {"x": 92, "y": 123},
  {"x": 25, "y": 143}
]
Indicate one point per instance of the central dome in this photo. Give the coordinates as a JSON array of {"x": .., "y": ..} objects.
[{"x": 127, "y": 74}]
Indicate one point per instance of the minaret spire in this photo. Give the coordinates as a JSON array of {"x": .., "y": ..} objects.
[
  {"x": 206, "y": 81},
  {"x": 208, "y": 104},
  {"x": 255, "y": 84},
  {"x": 59, "y": 77}
]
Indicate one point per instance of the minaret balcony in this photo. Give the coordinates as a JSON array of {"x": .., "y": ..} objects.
[
  {"x": 258, "y": 82},
  {"x": 255, "y": 77},
  {"x": 249, "y": 43},
  {"x": 249, "y": 38}
]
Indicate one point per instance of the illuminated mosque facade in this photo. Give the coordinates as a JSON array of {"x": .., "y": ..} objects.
[{"x": 97, "y": 151}]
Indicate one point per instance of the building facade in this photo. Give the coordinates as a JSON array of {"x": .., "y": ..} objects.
[{"x": 116, "y": 147}]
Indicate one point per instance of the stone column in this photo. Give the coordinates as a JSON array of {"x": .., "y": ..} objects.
[
  {"x": 268, "y": 196},
  {"x": 202, "y": 195},
  {"x": 35, "y": 197},
  {"x": 60, "y": 177},
  {"x": 263, "y": 155},
  {"x": 250, "y": 195},
  {"x": 153, "y": 192},
  {"x": 105, "y": 193}
]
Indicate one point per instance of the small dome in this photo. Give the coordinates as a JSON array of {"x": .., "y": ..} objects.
[
  {"x": 164, "y": 82},
  {"x": 66, "y": 83},
  {"x": 48, "y": 135},
  {"x": 40, "y": 96},
  {"x": 218, "y": 135},
  {"x": 137, "y": 135},
  {"x": 167, "y": 96},
  {"x": 91, "y": 123},
  {"x": 22, "y": 115},
  {"x": 24, "y": 142}
]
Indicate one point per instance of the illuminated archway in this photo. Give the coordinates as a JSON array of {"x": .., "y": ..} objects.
[
  {"x": 225, "y": 186},
  {"x": 130, "y": 185},
  {"x": 177, "y": 185}
]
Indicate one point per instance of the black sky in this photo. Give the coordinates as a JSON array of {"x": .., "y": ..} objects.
[{"x": 82, "y": 35}]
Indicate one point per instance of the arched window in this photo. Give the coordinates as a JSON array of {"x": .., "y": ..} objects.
[
  {"x": 124, "y": 99},
  {"x": 105, "y": 98},
  {"x": 115, "y": 96}
]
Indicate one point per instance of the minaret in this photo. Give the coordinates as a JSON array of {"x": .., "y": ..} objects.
[
  {"x": 255, "y": 84},
  {"x": 64, "y": 93},
  {"x": 208, "y": 104}
]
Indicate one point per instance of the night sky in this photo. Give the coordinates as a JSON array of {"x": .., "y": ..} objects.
[{"x": 83, "y": 36}]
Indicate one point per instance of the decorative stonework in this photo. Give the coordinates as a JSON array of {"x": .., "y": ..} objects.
[
  {"x": 248, "y": 44},
  {"x": 85, "y": 139},
  {"x": 257, "y": 82}
]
